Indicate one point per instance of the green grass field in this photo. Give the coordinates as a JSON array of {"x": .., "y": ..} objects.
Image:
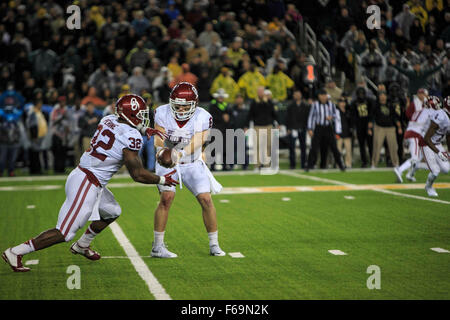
[{"x": 285, "y": 242}]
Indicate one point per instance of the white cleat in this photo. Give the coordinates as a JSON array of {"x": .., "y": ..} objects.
[
  {"x": 431, "y": 191},
  {"x": 162, "y": 252},
  {"x": 216, "y": 251},
  {"x": 410, "y": 177},
  {"x": 14, "y": 261},
  {"x": 399, "y": 175}
]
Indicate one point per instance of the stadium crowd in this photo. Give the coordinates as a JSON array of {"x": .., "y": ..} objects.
[{"x": 243, "y": 56}]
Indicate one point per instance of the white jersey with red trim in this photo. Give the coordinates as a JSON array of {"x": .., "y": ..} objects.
[
  {"x": 420, "y": 121},
  {"x": 105, "y": 156},
  {"x": 441, "y": 118},
  {"x": 180, "y": 133}
]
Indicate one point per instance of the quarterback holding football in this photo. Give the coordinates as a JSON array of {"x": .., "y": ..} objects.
[
  {"x": 187, "y": 128},
  {"x": 117, "y": 141}
]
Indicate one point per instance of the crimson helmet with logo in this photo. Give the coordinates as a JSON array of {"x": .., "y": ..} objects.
[
  {"x": 133, "y": 109},
  {"x": 446, "y": 105},
  {"x": 433, "y": 102},
  {"x": 183, "y": 101}
]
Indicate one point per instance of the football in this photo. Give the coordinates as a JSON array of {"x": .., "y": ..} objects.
[{"x": 165, "y": 157}]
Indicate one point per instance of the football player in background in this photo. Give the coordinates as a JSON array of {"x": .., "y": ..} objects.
[
  {"x": 187, "y": 127},
  {"x": 434, "y": 153},
  {"x": 117, "y": 141}
]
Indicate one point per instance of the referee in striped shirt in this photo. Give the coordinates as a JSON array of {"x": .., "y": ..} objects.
[{"x": 324, "y": 126}]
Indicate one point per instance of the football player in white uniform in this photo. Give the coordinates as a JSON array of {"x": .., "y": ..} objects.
[
  {"x": 434, "y": 153},
  {"x": 187, "y": 127},
  {"x": 419, "y": 114},
  {"x": 117, "y": 141}
]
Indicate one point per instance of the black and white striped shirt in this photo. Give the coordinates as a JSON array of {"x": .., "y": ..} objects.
[{"x": 319, "y": 113}]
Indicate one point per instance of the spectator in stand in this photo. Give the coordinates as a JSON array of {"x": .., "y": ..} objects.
[
  {"x": 250, "y": 81},
  {"x": 361, "y": 112},
  {"x": 226, "y": 82},
  {"x": 296, "y": 124},
  {"x": 138, "y": 56},
  {"x": 345, "y": 138},
  {"x": 93, "y": 98},
  {"x": 138, "y": 82},
  {"x": 235, "y": 51},
  {"x": 405, "y": 20},
  {"x": 119, "y": 78},
  {"x": 386, "y": 125},
  {"x": 88, "y": 125},
  {"x": 184, "y": 76},
  {"x": 417, "y": 77},
  {"x": 262, "y": 113},
  {"x": 10, "y": 138},
  {"x": 60, "y": 126},
  {"x": 11, "y": 97},
  {"x": 102, "y": 78},
  {"x": 372, "y": 61},
  {"x": 279, "y": 83}
]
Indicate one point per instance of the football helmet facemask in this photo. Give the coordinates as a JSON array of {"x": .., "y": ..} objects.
[
  {"x": 183, "y": 101},
  {"x": 133, "y": 109}
]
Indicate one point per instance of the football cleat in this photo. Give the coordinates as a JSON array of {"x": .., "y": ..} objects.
[
  {"x": 87, "y": 252},
  {"x": 410, "y": 177},
  {"x": 14, "y": 261},
  {"x": 216, "y": 251},
  {"x": 162, "y": 252},
  {"x": 398, "y": 174},
  {"x": 431, "y": 191}
]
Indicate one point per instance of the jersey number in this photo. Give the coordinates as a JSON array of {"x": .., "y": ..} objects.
[
  {"x": 101, "y": 144},
  {"x": 135, "y": 143}
]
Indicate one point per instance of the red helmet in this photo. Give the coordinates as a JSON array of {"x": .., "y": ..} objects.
[
  {"x": 132, "y": 109},
  {"x": 446, "y": 105},
  {"x": 183, "y": 95},
  {"x": 433, "y": 102}
]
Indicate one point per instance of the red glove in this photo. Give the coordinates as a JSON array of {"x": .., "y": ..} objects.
[
  {"x": 168, "y": 181},
  {"x": 151, "y": 132}
]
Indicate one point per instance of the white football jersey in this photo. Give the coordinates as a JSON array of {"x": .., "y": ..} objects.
[
  {"x": 420, "y": 121},
  {"x": 441, "y": 118},
  {"x": 105, "y": 156},
  {"x": 180, "y": 133}
]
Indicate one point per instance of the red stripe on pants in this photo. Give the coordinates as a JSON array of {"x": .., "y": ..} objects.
[
  {"x": 78, "y": 209},
  {"x": 73, "y": 204}
]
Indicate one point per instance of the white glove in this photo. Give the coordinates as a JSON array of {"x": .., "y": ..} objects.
[{"x": 443, "y": 155}]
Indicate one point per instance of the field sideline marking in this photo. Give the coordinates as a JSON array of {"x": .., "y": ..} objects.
[
  {"x": 156, "y": 289},
  {"x": 379, "y": 189}
]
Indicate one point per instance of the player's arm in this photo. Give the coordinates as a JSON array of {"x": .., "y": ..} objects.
[
  {"x": 139, "y": 174},
  {"x": 430, "y": 132},
  {"x": 159, "y": 142}
]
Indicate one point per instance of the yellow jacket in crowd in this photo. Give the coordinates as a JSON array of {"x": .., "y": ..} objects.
[
  {"x": 250, "y": 81},
  {"x": 228, "y": 84},
  {"x": 279, "y": 83}
]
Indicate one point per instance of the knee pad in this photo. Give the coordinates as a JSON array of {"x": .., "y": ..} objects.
[{"x": 110, "y": 211}]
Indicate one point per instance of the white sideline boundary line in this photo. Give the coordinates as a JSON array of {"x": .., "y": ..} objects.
[
  {"x": 336, "y": 182},
  {"x": 156, "y": 289}
]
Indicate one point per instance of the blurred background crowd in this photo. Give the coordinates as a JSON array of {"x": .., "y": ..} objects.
[{"x": 248, "y": 60}]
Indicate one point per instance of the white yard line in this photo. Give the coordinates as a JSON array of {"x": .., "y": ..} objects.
[
  {"x": 336, "y": 182},
  {"x": 142, "y": 269}
]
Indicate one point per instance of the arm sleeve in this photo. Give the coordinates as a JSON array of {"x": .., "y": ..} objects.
[{"x": 159, "y": 118}]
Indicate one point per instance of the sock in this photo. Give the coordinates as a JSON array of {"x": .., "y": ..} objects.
[
  {"x": 86, "y": 238},
  {"x": 213, "y": 238},
  {"x": 23, "y": 248},
  {"x": 430, "y": 180},
  {"x": 405, "y": 165},
  {"x": 159, "y": 238}
]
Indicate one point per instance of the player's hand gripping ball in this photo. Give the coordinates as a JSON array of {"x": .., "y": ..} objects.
[{"x": 167, "y": 157}]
